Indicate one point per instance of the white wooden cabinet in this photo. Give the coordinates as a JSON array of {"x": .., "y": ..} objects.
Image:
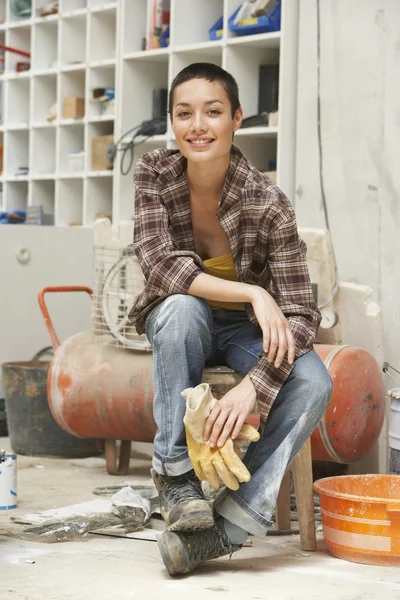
[{"x": 93, "y": 43}]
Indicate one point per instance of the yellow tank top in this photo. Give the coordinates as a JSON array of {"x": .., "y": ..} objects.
[{"x": 224, "y": 268}]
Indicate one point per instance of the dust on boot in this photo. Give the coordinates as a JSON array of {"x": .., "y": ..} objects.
[{"x": 182, "y": 502}]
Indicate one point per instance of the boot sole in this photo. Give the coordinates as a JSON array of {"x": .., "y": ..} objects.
[
  {"x": 173, "y": 555},
  {"x": 193, "y": 522}
]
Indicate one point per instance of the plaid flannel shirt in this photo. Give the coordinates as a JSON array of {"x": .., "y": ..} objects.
[{"x": 260, "y": 224}]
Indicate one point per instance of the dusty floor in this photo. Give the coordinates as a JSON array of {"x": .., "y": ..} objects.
[{"x": 106, "y": 567}]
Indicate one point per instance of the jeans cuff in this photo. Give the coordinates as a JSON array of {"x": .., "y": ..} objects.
[
  {"x": 242, "y": 515},
  {"x": 172, "y": 468}
]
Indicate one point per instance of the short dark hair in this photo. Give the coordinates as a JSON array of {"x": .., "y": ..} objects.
[{"x": 211, "y": 73}]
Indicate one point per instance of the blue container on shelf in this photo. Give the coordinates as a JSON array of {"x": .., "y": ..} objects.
[
  {"x": 164, "y": 39},
  {"x": 253, "y": 25},
  {"x": 217, "y": 30}
]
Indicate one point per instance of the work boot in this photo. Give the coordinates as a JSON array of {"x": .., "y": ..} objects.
[
  {"x": 182, "y": 502},
  {"x": 184, "y": 551}
]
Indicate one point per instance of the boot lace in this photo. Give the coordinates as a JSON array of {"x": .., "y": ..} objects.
[
  {"x": 182, "y": 488},
  {"x": 210, "y": 543}
]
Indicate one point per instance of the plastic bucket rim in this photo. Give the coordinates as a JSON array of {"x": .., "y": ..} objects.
[{"x": 317, "y": 486}]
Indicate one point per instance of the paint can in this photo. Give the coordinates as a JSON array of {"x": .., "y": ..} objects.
[{"x": 8, "y": 482}]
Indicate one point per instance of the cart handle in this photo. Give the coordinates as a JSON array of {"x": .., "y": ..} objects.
[{"x": 43, "y": 307}]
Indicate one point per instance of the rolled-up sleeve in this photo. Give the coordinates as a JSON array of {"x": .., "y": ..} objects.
[{"x": 166, "y": 269}]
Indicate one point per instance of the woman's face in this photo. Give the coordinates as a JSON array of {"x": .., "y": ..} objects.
[{"x": 202, "y": 120}]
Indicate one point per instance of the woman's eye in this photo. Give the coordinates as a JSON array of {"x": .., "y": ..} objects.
[
  {"x": 183, "y": 114},
  {"x": 214, "y": 111}
]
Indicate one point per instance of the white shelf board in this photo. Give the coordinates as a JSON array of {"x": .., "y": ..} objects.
[
  {"x": 206, "y": 48},
  {"x": 43, "y": 176},
  {"x": 17, "y": 178},
  {"x": 104, "y": 7},
  {"x": 17, "y": 127},
  {"x": 48, "y": 19},
  {"x": 74, "y": 13},
  {"x": 77, "y": 175},
  {"x": 43, "y": 124},
  {"x": 259, "y": 132},
  {"x": 101, "y": 118},
  {"x": 259, "y": 40},
  {"x": 74, "y": 67},
  {"x": 109, "y": 62},
  {"x": 108, "y": 173},
  {"x": 20, "y": 24},
  {"x": 21, "y": 75},
  {"x": 155, "y": 55},
  {"x": 44, "y": 72},
  {"x": 72, "y": 121}
]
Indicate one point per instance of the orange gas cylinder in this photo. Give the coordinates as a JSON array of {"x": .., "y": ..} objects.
[
  {"x": 355, "y": 414},
  {"x": 106, "y": 392}
]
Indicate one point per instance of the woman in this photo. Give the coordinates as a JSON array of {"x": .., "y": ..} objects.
[{"x": 226, "y": 282}]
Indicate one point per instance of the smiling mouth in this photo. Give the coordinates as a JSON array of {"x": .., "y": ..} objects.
[{"x": 201, "y": 143}]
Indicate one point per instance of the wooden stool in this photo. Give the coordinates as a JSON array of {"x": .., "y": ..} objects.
[{"x": 221, "y": 380}]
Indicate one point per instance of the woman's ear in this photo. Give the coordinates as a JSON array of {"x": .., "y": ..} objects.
[{"x": 237, "y": 119}]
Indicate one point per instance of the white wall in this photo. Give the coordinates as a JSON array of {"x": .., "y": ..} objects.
[
  {"x": 360, "y": 144},
  {"x": 57, "y": 256}
]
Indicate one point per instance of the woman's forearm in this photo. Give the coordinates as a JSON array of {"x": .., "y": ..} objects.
[{"x": 213, "y": 288}]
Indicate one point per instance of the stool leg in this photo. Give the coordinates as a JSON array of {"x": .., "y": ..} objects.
[
  {"x": 302, "y": 476},
  {"x": 282, "y": 509}
]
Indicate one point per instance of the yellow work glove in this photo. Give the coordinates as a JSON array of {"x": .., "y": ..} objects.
[{"x": 213, "y": 464}]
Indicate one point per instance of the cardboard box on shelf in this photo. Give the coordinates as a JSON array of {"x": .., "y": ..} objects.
[
  {"x": 74, "y": 107},
  {"x": 100, "y": 145}
]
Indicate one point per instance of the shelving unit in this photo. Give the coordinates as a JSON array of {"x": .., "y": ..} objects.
[{"x": 94, "y": 44}]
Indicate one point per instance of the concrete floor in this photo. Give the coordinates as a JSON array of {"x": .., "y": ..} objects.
[{"x": 106, "y": 567}]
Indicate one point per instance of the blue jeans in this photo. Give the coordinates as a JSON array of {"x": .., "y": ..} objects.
[{"x": 186, "y": 335}]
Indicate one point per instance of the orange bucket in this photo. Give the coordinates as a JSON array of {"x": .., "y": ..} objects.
[{"x": 361, "y": 517}]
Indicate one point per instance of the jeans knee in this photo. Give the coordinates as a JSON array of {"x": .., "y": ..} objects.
[
  {"x": 181, "y": 318},
  {"x": 313, "y": 379}
]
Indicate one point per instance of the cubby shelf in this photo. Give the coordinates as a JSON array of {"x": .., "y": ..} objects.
[{"x": 96, "y": 44}]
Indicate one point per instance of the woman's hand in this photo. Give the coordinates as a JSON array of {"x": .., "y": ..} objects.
[
  {"x": 228, "y": 415},
  {"x": 277, "y": 336}
]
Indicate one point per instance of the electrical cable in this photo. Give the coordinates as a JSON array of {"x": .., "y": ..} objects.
[{"x": 148, "y": 129}]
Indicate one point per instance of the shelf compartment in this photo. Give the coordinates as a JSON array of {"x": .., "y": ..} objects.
[
  {"x": 70, "y": 6},
  {"x": 203, "y": 15},
  {"x": 134, "y": 21},
  {"x": 43, "y": 194},
  {"x": 99, "y": 198},
  {"x": 73, "y": 40},
  {"x": 18, "y": 102},
  {"x": 20, "y": 38},
  {"x": 244, "y": 64},
  {"x": 16, "y": 195},
  {"x": 259, "y": 151},
  {"x": 16, "y": 151},
  {"x": 103, "y": 34},
  {"x": 140, "y": 81},
  {"x": 43, "y": 151},
  {"x": 45, "y": 45},
  {"x": 99, "y": 77},
  {"x": 72, "y": 84},
  {"x": 44, "y": 96},
  {"x": 99, "y": 129},
  {"x": 72, "y": 140},
  {"x": 69, "y": 202}
]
